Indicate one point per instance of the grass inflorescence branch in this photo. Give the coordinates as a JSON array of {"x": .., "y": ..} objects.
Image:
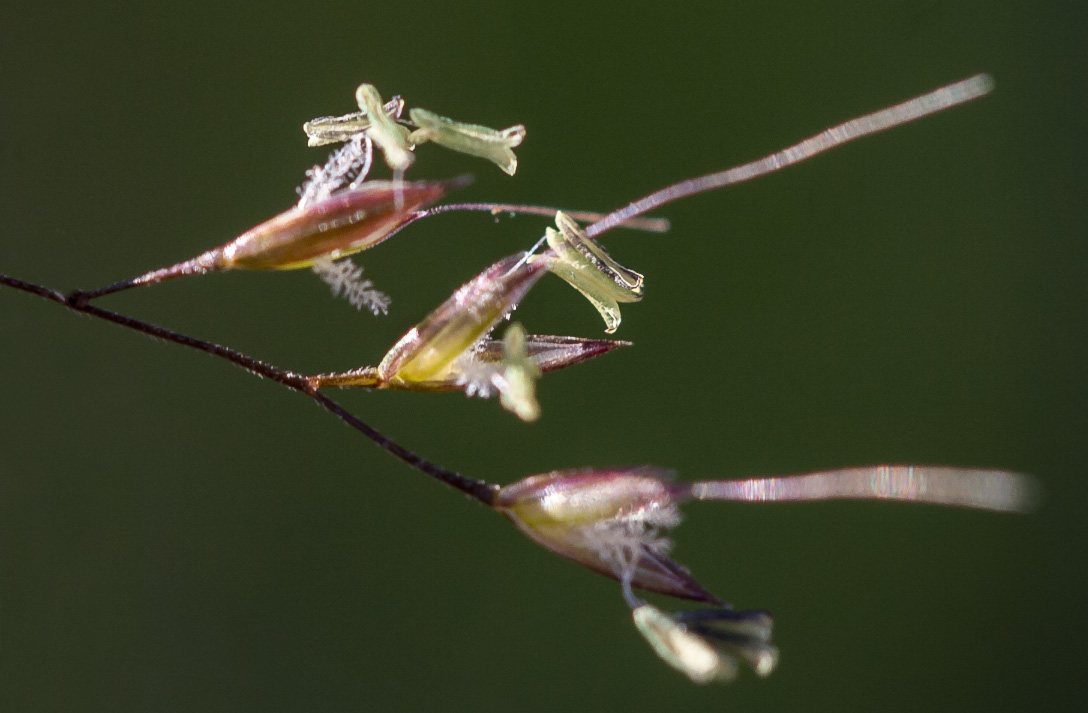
[
  {"x": 480, "y": 490},
  {"x": 612, "y": 521}
]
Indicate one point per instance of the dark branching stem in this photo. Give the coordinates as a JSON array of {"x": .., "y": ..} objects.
[
  {"x": 77, "y": 301},
  {"x": 80, "y": 298}
]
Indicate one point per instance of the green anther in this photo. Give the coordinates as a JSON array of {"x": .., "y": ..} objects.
[
  {"x": 471, "y": 139},
  {"x": 391, "y": 137},
  {"x": 584, "y": 264}
]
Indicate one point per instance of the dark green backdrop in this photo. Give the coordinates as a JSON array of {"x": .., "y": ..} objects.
[{"x": 176, "y": 535}]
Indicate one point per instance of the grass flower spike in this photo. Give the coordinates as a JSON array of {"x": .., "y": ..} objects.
[
  {"x": 428, "y": 351},
  {"x": 606, "y": 520},
  {"x": 549, "y": 353},
  {"x": 342, "y": 224},
  {"x": 339, "y": 212},
  {"x": 487, "y": 368},
  {"x": 610, "y": 521}
]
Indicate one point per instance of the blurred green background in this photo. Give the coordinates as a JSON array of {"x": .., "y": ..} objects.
[{"x": 176, "y": 535}]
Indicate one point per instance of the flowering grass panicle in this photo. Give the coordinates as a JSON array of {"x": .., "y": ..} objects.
[{"x": 612, "y": 521}]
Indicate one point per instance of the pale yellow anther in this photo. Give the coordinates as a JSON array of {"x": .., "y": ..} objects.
[
  {"x": 684, "y": 651},
  {"x": 471, "y": 139},
  {"x": 584, "y": 264},
  {"x": 391, "y": 137},
  {"x": 518, "y": 392},
  {"x": 335, "y": 129}
]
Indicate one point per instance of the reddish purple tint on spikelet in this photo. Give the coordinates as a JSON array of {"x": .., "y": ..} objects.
[
  {"x": 548, "y": 352},
  {"x": 552, "y": 353},
  {"x": 427, "y": 351},
  {"x": 342, "y": 224},
  {"x": 607, "y": 521}
]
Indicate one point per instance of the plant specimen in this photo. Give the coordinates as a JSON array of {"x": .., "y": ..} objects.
[{"x": 610, "y": 521}]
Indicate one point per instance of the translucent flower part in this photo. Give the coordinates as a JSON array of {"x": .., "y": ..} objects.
[
  {"x": 391, "y": 137},
  {"x": 707, "y": 644},
  {"x": 429, "y": 351},
  {"x": 583, "y": 263},
  {"x": 345, "y": 223},
  {"x": 549, "y": 353},
  {"x": 471, "y": 139},
  {"x": 342, "y": 224},
  {"x": 610, "y": 520},
  {"x": 335, "y": 129},
  {"x": 676, "y": 646},
  {"x": 516, "y": 380}
]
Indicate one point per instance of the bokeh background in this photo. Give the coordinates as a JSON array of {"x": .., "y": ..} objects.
[{"x": 176, "y": 535}]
